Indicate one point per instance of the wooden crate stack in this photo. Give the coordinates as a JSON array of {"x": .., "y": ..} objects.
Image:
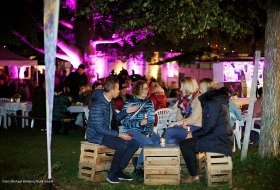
[
  {"x": 162, "y": 165},
  {"x": 95, "y": 161},
  {"x": 218, "y": 169}
]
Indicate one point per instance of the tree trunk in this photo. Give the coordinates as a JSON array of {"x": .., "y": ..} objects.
[{"x": 270, "y": 132}]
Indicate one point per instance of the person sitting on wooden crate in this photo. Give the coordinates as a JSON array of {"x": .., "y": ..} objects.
[
  {"x": 99, "y": 130},
  {"x": 215, "y": 135},
  {"x": 188, "y": 112},
  {"x": 140, "y": 124}
]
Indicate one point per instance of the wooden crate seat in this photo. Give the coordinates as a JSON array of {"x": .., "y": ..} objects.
[
  {"x": 95, "y": 161},
  {"x": 162, "y": 165},
  {"x": 218, "y": 169}
]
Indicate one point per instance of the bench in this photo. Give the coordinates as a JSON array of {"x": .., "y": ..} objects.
[{"x": 63, "y": 120}]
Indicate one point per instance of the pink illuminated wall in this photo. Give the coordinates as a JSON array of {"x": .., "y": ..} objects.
[
  {"x": 138, "y": 64},
  {"x": 104, "y": 64}
]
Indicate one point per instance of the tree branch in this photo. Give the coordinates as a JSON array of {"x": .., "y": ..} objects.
[{"x": 23, "y": 39}]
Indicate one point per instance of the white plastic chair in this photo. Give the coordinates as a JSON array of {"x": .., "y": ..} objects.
[
  {"x": 237, "y": 132},
  {"x": 253, "y": 122},
  {"x": 3, "y": 100},
  {"x": 162, "y": 120},
  {"x": 172, "y": 117}
]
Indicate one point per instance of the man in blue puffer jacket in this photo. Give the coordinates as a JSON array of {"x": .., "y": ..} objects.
[{"x": 99, "y": 130}]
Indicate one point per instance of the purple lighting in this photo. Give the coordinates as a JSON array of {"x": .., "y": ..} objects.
[
  {"x": 71, "y": 4},
  {"x": 137, "y": 64},
  {"x": 233, "y": 69}
]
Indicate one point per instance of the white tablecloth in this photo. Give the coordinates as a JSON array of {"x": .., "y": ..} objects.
[
  {"x": 12, "y": 107},
  {"x": 79, "y": 109}
]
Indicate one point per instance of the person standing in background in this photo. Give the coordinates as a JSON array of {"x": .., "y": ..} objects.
[{"x": 75, "y": 79}]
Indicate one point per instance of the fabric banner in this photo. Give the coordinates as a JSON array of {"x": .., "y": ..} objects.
[{"x": 51, "y": 13}]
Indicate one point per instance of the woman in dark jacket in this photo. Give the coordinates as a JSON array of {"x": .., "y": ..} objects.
[{"x": 215, "y": 135}]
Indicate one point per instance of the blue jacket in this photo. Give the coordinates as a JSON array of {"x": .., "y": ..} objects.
[
  {"x": 134, "y": 124},
  {"x": 216, "y": 134},
  {"x": 233, "y": 109},
  {"x": 99, "y": 121}
]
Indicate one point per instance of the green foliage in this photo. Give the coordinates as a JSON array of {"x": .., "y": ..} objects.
[{"x": 185, "y": 18}]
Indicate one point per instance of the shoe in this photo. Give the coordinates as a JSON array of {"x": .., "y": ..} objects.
[
  {"x": 112, "y": 178},
  {"x": 122, "y": 176},
  {"x": 191, "y": 179}
]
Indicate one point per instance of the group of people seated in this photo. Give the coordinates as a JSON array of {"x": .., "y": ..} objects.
[{"x": 203, "y": 123}]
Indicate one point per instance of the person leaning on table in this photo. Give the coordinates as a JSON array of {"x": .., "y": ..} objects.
[
  {"x": 99, "y": 130},
  {"x": 215, "y": 135}
]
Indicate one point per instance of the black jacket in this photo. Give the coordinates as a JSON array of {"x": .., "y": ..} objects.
[
  {"x": 74, "y": 80},
  {"x": 216, "y": 134}
]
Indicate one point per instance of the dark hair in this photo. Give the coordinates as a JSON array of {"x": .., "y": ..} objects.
[
  {"x": 82, "y": 66},
  {"x": 95, "y": 84},
  {"x": 110, "y": 83},
  {"x": 138, "y": 86},
  {"x": 225, "y": 91},
  {"x": 59, "y": 88},
  {"x": 260, "y": 91}
]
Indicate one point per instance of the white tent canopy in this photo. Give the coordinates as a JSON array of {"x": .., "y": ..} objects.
[{"x": 8, "y": 58}]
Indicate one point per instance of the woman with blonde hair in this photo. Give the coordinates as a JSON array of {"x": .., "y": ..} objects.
[
  {"x": 188, "y": 113},
  {"x": 158, "y": 97},
  {"x": 216, "y": 133}
]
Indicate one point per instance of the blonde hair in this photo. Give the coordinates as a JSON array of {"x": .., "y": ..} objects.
[
  {"x": 158, "y": 88},
  {"x": 189, "y": 85},
  {"x": 206, "y": 85}
]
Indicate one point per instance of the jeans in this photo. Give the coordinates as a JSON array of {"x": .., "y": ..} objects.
[
  {"x": 254, "y": 136},
  {"x": 124, "y": 151},
  {"x": 176, "y": 134},
  {"x": 154, "y": 139},
  {"x": 187, "y": 148}
]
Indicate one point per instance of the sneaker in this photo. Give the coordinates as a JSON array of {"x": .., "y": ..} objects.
[
  {"x": 111, "y": 178},
  {"x": 122, "y": 176}
]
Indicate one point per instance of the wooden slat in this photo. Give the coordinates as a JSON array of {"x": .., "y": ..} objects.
[
  {"x": 102, "y": 167},
  {"x": 103, "y": 159},
  {"x": 162, "y": 179},
  {"x": 219, "y": 167},
  {"x": 161, "y": 152},
  {"x": 163, "y": 171}
]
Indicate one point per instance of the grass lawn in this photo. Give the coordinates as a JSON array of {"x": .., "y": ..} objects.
[{"x": 23, "y": 165}]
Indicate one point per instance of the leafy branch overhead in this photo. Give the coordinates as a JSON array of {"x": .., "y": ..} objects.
[{"x": 184, "y": 18}]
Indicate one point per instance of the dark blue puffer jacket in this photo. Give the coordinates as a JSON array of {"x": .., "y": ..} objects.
[
  {"x": 134, "y": 124},
  {"x": 99, "y": 123},
  {"x": 216, "y": 133}
]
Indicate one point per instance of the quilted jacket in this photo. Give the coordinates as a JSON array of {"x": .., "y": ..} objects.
[
  {"x": 146, "y": 111},
  {"x": 100, "y": 117}
]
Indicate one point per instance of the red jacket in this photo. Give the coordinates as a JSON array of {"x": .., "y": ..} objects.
[{"x": 159, "y": 100}]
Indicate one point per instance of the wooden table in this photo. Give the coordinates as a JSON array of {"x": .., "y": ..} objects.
[{"x": 162, "y": 165}]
